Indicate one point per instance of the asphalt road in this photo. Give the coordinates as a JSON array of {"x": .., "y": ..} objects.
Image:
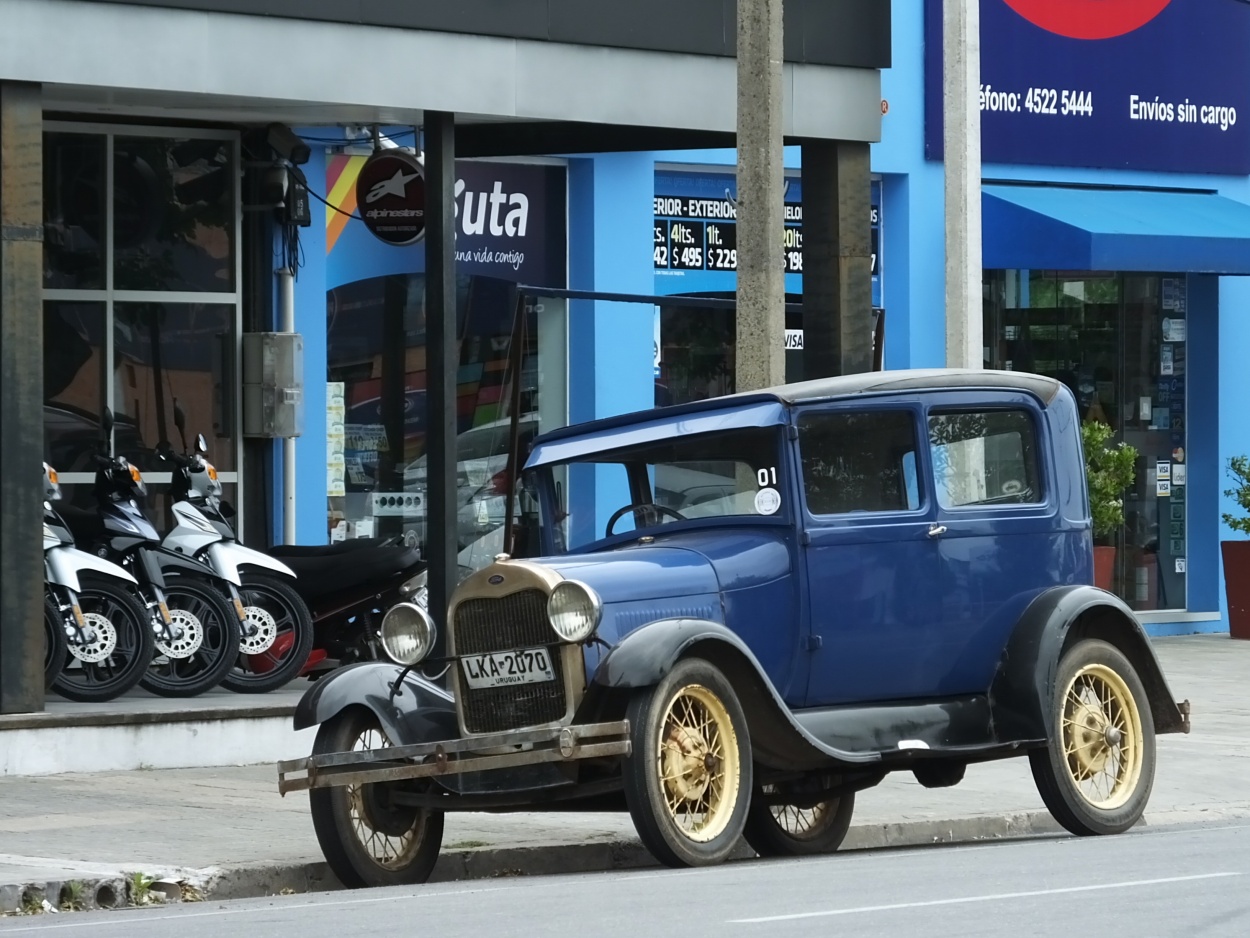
[{"x": 1191, "y": 882}]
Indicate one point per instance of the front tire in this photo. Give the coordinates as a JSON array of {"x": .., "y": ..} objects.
[
  {"x": 110, "y": 657},
  {"x": 207, "y": 647},
  {"x": 55, "y": 644},
  {"x": 688, "y": 778},
  {"x": 787, "y": 830},
  {"x": 1097, "y": 770},
  {"x": 366, "y": 839},
  {"x": 281, "y": 636}
]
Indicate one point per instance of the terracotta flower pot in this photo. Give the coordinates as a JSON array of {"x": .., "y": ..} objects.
[
  {"x": 1104, "y": 567},
  {"x": 1237, "y": 586}
]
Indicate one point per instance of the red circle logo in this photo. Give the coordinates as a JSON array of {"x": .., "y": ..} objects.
[{"x": 1089, "y": 19}]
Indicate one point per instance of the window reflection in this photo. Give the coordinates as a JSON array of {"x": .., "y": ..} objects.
[
  {"x": 173, "y": 215},
  {"x": 73, "y": 211},
  {"x": 73, "y": 388}
]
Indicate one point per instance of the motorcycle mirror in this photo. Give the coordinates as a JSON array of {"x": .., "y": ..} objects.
[
  {"x": 106, "y": 420},
  {"x": 180, "y": 422},
  {"x": 201, "y": 444},
  {"x": 164, "y": 450}
]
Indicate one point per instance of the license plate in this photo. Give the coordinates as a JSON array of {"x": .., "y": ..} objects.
[{"x": 505, "y": 668}]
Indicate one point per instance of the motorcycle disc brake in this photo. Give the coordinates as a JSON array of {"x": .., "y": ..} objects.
[
  {"x": 188, "y": 643},
  {"x": 260, "y": 630},
  {"x": 104, "y": 635}
]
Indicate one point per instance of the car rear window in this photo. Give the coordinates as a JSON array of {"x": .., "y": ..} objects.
[
  {"x": 855, "y": 462},
  {"x": 984, "y": 458}
]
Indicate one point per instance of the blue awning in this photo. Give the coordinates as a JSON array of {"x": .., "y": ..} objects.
[{"x": 1113, "y": 229}]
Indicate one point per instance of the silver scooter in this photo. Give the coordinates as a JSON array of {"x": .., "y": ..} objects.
[
  {"x": 276, "y": 626},
  {"x": 108, "y": 637}
]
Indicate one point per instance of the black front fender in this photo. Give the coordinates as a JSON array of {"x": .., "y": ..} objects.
[
  {"x": 420, "y": 712},
  {"x": 1023, "y": 687},
  {"x": 645, "y": 655}
]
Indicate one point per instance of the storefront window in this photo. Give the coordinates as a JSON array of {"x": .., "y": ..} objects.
[
  {"x": 173, "y": 214},
  {"x": 1118, "y": 341},
  {"x": 128, "y": 271}
]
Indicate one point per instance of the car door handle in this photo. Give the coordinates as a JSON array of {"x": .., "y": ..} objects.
[{"x": 937, "y": 530}]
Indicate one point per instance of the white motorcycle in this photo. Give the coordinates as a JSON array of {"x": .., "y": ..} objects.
[{"x": 106, "y": 640}]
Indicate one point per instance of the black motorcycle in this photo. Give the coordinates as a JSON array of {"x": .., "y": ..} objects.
[
  {"x": 345, "y": 588},
  {"x": 197, "y": 630}
]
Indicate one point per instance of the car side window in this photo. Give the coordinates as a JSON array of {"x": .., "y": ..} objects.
[
  {"x": 984, "y": 458},
  {"x": 854, "y": 462}
]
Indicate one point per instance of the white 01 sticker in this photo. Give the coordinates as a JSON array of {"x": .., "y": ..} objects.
[{"x": 767, "y": 501}]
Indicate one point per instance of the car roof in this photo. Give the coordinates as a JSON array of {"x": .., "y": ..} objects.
[{"x": 827, "y": 389}]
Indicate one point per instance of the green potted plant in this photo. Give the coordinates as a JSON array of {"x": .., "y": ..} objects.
[
  {"x": 1109, "y": 470},
  {"x": 1237, "y": 553}
]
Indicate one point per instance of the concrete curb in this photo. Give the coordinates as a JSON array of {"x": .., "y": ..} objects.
[{"x": 261, "y": 880}]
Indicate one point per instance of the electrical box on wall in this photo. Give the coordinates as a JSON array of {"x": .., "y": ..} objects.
[{"x": 273, "y": 384}]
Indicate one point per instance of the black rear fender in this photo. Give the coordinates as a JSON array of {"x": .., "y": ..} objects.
[
  {"x": 1024, "y": 683},
  {"x": 420, "y": 712},
  {"x": 644, "y": 656}
]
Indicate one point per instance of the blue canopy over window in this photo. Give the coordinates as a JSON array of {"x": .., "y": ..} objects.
[{"x": 1061, "y": 228}]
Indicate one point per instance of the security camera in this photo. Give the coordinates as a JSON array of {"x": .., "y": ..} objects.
[{"x": 287, "y": 144}]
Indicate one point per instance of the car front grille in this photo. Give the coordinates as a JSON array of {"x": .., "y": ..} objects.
[{"x": 515, "y": 621}]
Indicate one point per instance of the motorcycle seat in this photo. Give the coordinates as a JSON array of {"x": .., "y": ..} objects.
[{"x": 322, "y": 572}]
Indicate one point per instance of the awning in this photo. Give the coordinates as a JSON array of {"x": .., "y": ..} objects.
[{"x": 1060, "y": 228}]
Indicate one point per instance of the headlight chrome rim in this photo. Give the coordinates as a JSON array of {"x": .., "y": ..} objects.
[
  {"x": 574, "y": 611},
  {"x": 408, "y": 634}
]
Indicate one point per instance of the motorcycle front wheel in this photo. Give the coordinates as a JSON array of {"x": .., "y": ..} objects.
[
  {"x": 277, "y": 636},
  {"x": 109, "y": 654},
  {"x": 204, "y": 645},
  {"x": 55, "y": 644}
]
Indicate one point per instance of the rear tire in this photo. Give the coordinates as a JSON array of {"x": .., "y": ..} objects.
[
  {"x": 1097, "y": 770},
  {"x": 782, "y": 830},
  {"x": 55, "y": 644},
  {"x": 195, "y": 604},
  {"x": 688, "y": 776},
  {"x": 273, "y": 604},
  {"x": 367, "y": 840},
  {"x": 113, "y": 663}
]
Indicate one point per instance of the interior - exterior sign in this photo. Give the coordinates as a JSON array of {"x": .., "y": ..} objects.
[
  {"x": 695, "y": 243},
  {"x": 1126, "y": 84},
  {"x": 390, "y": 196}
]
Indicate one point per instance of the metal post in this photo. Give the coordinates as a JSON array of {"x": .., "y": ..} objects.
[
  {"x": 21, "y": 396},
  {"x": 961, "y": 69},
  {"x": 761, "y": 319},
  {"x": 442, "y": 361},
  {"x": 286, "y": 312}
]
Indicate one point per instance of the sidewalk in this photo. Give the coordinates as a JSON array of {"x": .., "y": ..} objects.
[{"x": 227, "y": 832}]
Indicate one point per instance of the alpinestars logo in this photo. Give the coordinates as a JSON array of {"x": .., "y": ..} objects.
[
  {"x": 1089, "y": 19},
  {"x": 397, "y": 186}
]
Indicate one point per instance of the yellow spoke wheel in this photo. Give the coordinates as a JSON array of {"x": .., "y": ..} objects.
[
  {"x": 688, "y": 779},
  {"x": 1097, "y": 769}
]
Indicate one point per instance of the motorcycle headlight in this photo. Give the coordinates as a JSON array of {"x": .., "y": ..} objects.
[
  {"x": 407, "y": 633},
  {"x": 574, "y": 610}
]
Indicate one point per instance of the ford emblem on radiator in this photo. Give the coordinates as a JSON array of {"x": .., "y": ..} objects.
[{"x": 495, "y": 580}]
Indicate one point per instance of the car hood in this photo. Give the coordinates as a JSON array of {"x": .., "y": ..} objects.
[{"x": 690, "y": 563}]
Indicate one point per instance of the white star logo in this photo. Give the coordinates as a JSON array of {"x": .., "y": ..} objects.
[{"x": 397, "y": 185}]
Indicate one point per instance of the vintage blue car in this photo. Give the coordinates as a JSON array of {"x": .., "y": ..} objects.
[{"x": 730, "y": 616}]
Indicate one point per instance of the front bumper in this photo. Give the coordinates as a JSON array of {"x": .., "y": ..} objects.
[{"x": 454, "y": 756}]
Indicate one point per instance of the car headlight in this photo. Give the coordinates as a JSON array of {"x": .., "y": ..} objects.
[
  {"x": 574, "y": 610},
  {"x": 407, "y": 633}
]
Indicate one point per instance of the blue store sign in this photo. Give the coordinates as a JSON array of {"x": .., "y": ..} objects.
[{"x": 1127, "y": 84}]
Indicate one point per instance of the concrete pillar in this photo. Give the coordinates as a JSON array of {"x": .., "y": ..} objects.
[
  {"x": 837, "y": 259},
  {"x": 21, "y": 397},
  {"x": 442, "y": 363},
  {"x": 761, "y": 322},
  {"x": 961, "y": 141}
]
